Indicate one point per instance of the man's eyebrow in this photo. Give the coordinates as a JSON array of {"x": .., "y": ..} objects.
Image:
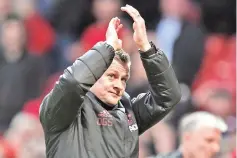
[
  {"x": 116, "y": 71},
  {"x": 127, "y": 76}
]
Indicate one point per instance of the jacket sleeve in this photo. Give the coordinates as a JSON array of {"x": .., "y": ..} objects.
[
  {"x": 61, "y": 106},
  {"x": 149, "y": 108}
]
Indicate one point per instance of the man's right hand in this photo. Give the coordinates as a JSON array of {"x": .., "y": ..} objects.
[
  {"x": 112, "y": 33},
  {"x": 139, "y": 27}
]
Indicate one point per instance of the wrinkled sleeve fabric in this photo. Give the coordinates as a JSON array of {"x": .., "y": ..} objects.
[
  {"x": 61, "y": 106},
  {"x": 164, "y": 91}
]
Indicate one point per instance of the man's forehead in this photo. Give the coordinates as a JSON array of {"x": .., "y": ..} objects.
[
  {"x": 208, "y": 131},
  {"x": 119, "y": 66}
]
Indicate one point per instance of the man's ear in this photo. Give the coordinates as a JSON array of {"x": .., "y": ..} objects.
[{"x": 186, "y": 136}]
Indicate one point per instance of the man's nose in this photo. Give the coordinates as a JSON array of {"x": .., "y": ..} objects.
[
  {"x": 216, "y": 147},
  {"x": 118, "y": 84}
]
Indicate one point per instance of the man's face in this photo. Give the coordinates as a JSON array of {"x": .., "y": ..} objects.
[
  {"x": 219, "y": 106},
  {"x": 106, "y": 9},
  {"x": 174, "y": 8},
  {"x": 13, "y": 37},
  {"x": 111, "y": 86},
  {"x": 204, "y": 143}
]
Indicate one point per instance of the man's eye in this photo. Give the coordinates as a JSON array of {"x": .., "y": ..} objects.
[
  {"x": 124, "y": 79},
  {"x": 209, "y": 140},
  {"x": 111, "y": 76}
]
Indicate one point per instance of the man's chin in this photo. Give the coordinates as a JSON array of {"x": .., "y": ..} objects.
[{"x": 113, "y": 101}]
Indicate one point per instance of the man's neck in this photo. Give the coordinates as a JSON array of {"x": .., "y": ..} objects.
[
  {"x": 12, "y": 56},
  {"x": 173, "y": 17}
]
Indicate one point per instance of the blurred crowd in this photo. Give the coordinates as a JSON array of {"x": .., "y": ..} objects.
[{"x": 40, "y": 38}]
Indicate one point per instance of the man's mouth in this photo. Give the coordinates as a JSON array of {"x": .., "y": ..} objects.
[{"x": 114, "y": 93}]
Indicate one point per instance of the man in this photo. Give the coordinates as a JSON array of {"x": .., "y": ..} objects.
[
  {"x": 88, "y": 113},
  {"x": 21, "y": 73},
  {"x": 200, "y": 135}
]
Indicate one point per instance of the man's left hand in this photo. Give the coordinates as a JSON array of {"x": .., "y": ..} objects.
[
  {"x": 112, "y": 33},
  {"x": 139, "y": 27}
]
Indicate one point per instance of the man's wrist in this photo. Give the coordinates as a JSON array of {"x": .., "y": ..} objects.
[
  {"x": 145, "y": 47},
  {"x": 110, "y": 43},
  {"x": 149, "y": 52}
]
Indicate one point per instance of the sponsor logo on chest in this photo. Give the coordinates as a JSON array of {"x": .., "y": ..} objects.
[{"x": 105, "y": 119}]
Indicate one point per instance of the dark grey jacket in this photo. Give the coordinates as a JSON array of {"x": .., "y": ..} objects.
[{"x": 77, "y": 125}]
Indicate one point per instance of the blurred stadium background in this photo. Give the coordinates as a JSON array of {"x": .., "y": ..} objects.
[{"x": 40, "y": 38}]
